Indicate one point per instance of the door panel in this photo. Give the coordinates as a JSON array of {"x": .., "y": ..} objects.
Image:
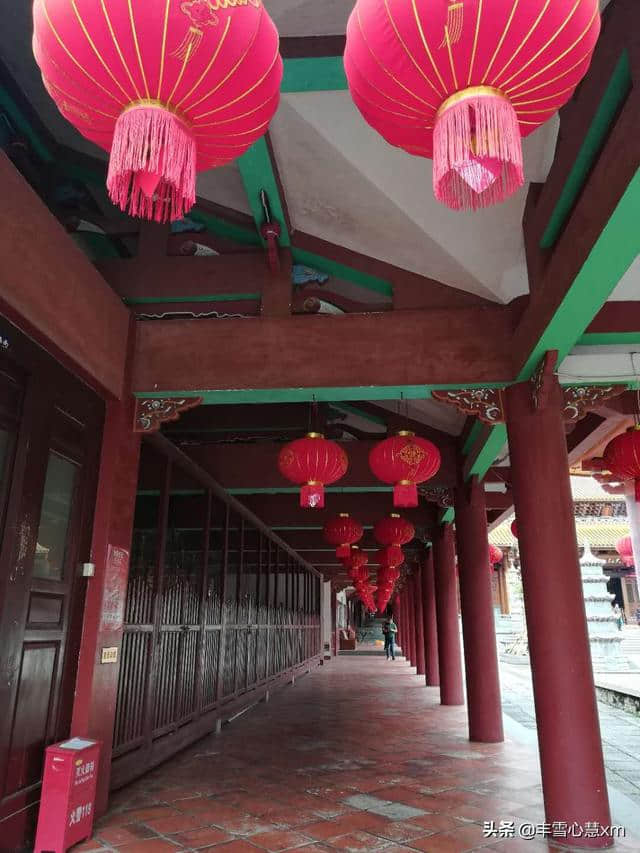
[{"x": 50, "y": 431}]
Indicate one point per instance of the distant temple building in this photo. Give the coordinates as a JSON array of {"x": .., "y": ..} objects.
[{"x": 601, "y": 520}]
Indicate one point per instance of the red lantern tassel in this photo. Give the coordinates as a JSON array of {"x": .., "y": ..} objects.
[
  {"x": 405, "y": 494},
  {"x": 343, "y": 551},
  {"x": 152, "y": 166},
  {"x": 312, "y": 496}
]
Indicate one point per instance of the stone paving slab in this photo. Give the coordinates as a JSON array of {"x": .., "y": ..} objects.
[{"x": 408, "y": 783}]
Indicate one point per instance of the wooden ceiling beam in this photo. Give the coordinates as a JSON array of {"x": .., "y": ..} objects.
[{"x": 394, "y": 349}]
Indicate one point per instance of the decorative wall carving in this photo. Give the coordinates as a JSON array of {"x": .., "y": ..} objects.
[
  {"x": 152, "y": 412},
  {"x": 484, "y": 403}
]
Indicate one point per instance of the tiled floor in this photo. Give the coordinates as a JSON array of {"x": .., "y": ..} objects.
[{"x": 357, "y": 756}]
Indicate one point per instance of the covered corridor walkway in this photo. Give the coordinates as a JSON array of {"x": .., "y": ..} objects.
[{"x": 357, "y": 755}]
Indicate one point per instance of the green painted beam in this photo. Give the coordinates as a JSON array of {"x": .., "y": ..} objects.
[
  {"x": 611, "y": 256},
  {"x": 306, "y": 395},
  {"x": 615, "y": 94},
  {"x": 257, "y": 174},
  {"x": 222, "y": 228},
  {"x": 314, "y": 74},
  {"x": 613, "y": 253}
]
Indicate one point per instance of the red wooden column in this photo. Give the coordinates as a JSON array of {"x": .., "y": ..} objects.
[
  {"x": 418, "y": 620},
  {"x": 411, "y": 622},
  {"x": 478, "y": 626},
  {"x": 97, "y": 683},
  {"x": 571, "y": 761},
  {"x": 449, "y": 657},
  {"x": 430, "y": 629},
  {"x": 334, "y": 621}
]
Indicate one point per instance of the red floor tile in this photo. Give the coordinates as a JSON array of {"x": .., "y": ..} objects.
[
  {"x": 357, "y": 841},
  {"x": 279, "y": 840},
  {"x": 153, "y": 845},
  {"x": 204, "y": 837},
  {"x": 122, "y": 834}
]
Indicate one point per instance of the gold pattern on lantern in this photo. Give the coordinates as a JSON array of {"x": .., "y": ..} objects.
[
  {"x": 453, "y": 27},
  {"x": 412, "y": 454}
]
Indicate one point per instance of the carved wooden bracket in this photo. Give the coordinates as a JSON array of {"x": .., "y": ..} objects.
[
  {"x": 439, "y": 495},
  {"x": 485, "y": 403},
  {"x": 580, "y": 399},
  {"x": 541, "y": 379},
  {"x": 152, "y": 412}
]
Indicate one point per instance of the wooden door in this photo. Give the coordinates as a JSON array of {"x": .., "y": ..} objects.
[{"x": 50, "y": 429}]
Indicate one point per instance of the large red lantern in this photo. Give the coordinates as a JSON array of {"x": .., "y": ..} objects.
[
  {"x": 624, "y": 547},
  {"x": 404, "y": 460},
  {"x": 622, "y": 457},
  {"x": 313, "y": 462},
  {"x": 495, "y": 555},
  {"x": 342, "y": 531},
  {"x": 461, "y": 81},
  {"x": 169, "y": 87}
]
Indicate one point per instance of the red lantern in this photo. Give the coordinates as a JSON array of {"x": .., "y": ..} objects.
[
  {"x": 393, "y": 530},
  {"x": 624, "y": 547},
  {"x": 460, "y": 82},
  {"x": 495, "y": 555},
  {"x": 514, "y": 528},
  {"x": 391, "y": 555},
  {"x": 356, "y": 558},
  {"x": 404, "y": 460},
  {"x": 343, "y": 532},
  {"x": 169, "y": 87},
  {"x": 313, "y": 462},
  {"x": 622, "y": 457}
]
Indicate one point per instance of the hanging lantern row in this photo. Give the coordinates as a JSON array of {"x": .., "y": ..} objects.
[
  {"x": 460, "y": 82},
  {"x": 313, "y": 462},
  {"x": 343, "y": 532},
  {"x": 495, "y": 555},
  {"x": 624, "y": 547},
  {"x": 175, "y": 87},
  {"x": 622, "y": 457},
  {"x": 168, "y": 87}
]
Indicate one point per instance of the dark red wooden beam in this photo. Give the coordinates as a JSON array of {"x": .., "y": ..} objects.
[
  {"x": 396, "y": 348},
  {"x": 160, "y": 277},
  {"x": 53, "y": 293},
  {"x": 616, "y": 317}
]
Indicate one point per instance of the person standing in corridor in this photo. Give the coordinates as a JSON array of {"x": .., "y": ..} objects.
[{"x": 390, "y": 629}]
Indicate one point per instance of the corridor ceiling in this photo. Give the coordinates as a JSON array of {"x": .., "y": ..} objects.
[{"x": 363, "y": 221}]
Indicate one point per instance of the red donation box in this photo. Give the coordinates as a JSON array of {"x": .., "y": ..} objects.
[{"x": 68, "y": 795}]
